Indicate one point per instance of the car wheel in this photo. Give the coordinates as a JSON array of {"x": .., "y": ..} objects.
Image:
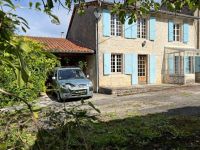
[{"x": 90, "y": 96}]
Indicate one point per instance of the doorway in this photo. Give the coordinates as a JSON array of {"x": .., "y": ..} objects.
[{"x": 142, "y": 69}]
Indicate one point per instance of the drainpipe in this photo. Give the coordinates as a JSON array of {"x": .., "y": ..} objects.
[
  {"x": 97, "y": 56},
  {"x": 97, "y": 13},
  {"x": 198, "y": 30}
]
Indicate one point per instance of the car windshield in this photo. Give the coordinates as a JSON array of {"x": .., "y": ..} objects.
[{"x": 70, "y": 74}]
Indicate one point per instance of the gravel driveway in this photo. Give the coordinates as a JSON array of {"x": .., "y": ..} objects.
[{"x": 183, "y": 100}]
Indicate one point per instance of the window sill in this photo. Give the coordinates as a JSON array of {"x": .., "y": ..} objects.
[
  {"x": 177, "y": 42},
  {"x": 189, "y": 73},
  {"x": 116, "y": 73}
]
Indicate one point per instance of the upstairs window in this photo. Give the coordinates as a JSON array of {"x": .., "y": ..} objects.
[
  {"x": 116, "y": 63},
  {"x": 116, "y": 26},
  {"x": 141, "y": 28},
  {"x": 177, "y": 32}
]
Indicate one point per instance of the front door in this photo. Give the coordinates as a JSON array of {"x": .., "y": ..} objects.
[{"x": 142, "y": 69}]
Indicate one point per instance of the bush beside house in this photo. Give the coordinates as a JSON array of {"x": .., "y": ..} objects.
[{"x": 39, "y": 62}]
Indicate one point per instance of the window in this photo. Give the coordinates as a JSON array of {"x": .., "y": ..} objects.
[
  {"x": 116, "y": 63},
  {"x": 177, "y": 66},
  {"x": 116, "y": 26},
  {"x": 177, "y": 32},
  {"x": 191, "y": 69},
  {"x": 141, "y": 28}
]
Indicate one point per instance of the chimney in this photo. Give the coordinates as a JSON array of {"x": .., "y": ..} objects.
[{"x": 62, "y": 33}]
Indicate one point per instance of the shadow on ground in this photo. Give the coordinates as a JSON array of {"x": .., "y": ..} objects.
[{"x": 176, "y": 129}]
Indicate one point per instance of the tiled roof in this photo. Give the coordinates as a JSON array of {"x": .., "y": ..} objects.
[
  {"x": 61, "y": 45},
  {"x": 185, "y": 10}
]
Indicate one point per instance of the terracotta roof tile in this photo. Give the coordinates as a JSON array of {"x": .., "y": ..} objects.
[{"x": 61, "y": 45}]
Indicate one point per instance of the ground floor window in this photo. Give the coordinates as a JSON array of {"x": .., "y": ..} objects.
[
  {"x": 183, "y": 64},
  {"x": 191, "y": 64},
  {"x": 177, "y": 66},
  {"x": 116, "y": 63}
]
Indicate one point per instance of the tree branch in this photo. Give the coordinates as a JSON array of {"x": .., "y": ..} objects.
[{"x": 21, "y": 99}]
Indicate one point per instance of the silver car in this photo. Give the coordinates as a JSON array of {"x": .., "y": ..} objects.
[{"x": 71, "y": 83}]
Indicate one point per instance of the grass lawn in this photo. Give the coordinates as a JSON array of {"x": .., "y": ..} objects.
[{"x": 157, "y": 131}]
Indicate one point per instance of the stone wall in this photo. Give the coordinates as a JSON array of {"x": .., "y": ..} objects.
[
  {"x": 197, "y": 77},
  {"x": 83, "y": 29},
  {"x": 174, "y": 79},
  {"x": 91, "y": 69},
  {"x": 130, "y": 90},
  {"x": 197, "y": 29},
  {"x": 189, "y": 78},
  {"x": 180, "y": 79}
]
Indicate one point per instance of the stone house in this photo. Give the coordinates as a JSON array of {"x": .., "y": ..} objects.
[{"x": 159, "y": 48}]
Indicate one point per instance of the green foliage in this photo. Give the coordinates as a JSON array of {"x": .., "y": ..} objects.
[
  {"x": 39, "y": 63},
  {"x": 148, "y": 132},
  {"x": 75, "y": 128},
  {"x": 82, "y": 65},
  {"x": 14, "y": 131},
  {"x": 21, "y": 133}
]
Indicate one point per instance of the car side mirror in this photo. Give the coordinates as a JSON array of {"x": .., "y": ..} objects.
[
  {"x": 53, "y": 78},
  {"x": 87, "y": 76}
]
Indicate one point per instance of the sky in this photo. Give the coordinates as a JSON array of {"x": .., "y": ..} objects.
[{"x": 40, "y": 23}]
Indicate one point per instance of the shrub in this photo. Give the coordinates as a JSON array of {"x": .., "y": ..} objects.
[{"x": 39, "y": 64}]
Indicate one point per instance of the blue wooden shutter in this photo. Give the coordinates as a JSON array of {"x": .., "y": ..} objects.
[
  {"x": 152, "y": 79},
  {"x": 107, "y": 63},
  {"x": 134, "y": 30},
  {"x": 171, "y": 64},
  {"x": 186, "y": 65},
  {"x": 128, "y": 64},
  {"x": 185, "y": 32},
  {"x": 197, "y": 64},
  {"x": 127, "y": 29},
  {"x": 130, "y": 30},
  {"x": 135, "y": 69},
  {"x": 106, "y": 22},
  {"x": 170, "y": 31},
  {"x": 152, "y": 28}
]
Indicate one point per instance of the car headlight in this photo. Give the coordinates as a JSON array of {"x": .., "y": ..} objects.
[
  {"x": 90, "y": 84},
  {"x": 67, "y": 85}
]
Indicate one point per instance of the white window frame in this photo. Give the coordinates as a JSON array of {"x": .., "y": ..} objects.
[
  {"x": 175, "y": 32},
  {"x": 115, "y": 25},
  {"x": 142, "y": 28},
  {"x": 115, "y": 65},
  {"x": 191, "y": 64},
  {"x": 177, "y": 64}
]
